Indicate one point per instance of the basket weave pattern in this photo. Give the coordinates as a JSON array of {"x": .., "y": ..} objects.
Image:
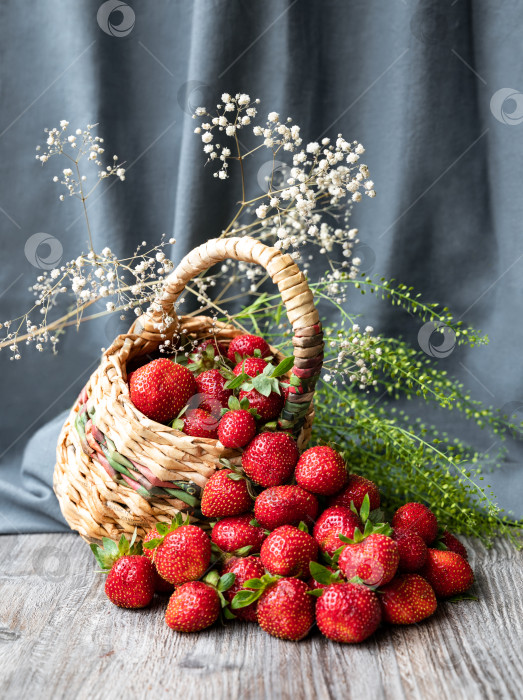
[{"x": 97, "y": 504}]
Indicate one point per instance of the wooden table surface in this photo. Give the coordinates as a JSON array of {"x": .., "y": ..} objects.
[{"x": 61, "y": 638}]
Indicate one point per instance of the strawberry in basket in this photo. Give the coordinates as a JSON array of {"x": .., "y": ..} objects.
[{"x": 161, "y": 388}]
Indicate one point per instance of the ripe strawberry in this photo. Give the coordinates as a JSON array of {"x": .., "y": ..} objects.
[
  {"x": 212, "y": 385},
  {"x": 321, "y": 470},
  {"x": 285, "y": 610},
  {"x": 415, "y": 517},
  {"x": 335, "y": 521},
  {"x": 407, "y": 599},
  {"x": 182, "y": 554},
  {"x": 236, "y": 428},
  {"x": 452, "y": 543},
  {"x": 374, "y": 560},
  {"x": 151, "y": 535},
  {"x": 354, "y": 491},
  {"x": 160, "y": 584},
  {"x": 270, "y": 458},
  {"x": 245, "y": 569},
  {"x": 131, "y": 578},
  {"x": 245, "y": 345},
  {"x": 200, "y": 423},
  {"x": 447, "y": 572},
  {"x": 192, "y": 607},
  {"x": 267, "y": 407},
  {"x": 130, "y": 583},
  {"x": 232, "y": 534},
  {"x": 288, "y": 551},
  {"x": 225, "y": 494},
  {"x": 251, "y": 366},
  {"x": 285, "y": 505},
  {"x": 348, "y": 612},
  {"x": 161, "y": 388},
  {"x": 412, "y": 550}
]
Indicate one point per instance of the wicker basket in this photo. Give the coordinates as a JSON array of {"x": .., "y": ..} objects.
[{"x": 128, "y": 471}]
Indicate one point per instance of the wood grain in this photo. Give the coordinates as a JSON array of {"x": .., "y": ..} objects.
[{"x": 61, "y": 638}]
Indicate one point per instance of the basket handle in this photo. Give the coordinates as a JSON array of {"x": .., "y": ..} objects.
[{"x": 296, "y": 295}]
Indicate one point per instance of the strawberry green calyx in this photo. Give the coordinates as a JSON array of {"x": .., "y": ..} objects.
[
  {"x": 220, "y": 585},
  {"x": 323, "y": 575},
  {"x": 234, "y": 404},
  {"x": 244, "y": 598},
  {"x": 372, "y": 527},
  {"x": 164, "y": 529},
  {"x": 111, "y": 551},
  {"x": 267, "y": 382}
]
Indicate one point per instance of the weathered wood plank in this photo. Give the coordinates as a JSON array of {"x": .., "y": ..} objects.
[{"x": 61, "y": 638}]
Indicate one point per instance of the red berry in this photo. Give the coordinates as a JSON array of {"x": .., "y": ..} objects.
[
  {"x": 151, "y": 535},
  {"x": 447, "y": 572},
  {"x": 285, "y": 609},
  {"x": 415, "y": 517},
  {"x": 231, "y": 534},
  {"x": 452, "y": 543},
  {"x": 192, "y": 607},
  {"x": 184, "y": 555},
  {"x": 161, "y": 388},
  {"x": 245, "y": 345},
  {"x": 288, "y": 551},
  {"x": 374, "y": 560},
  {"x": 321, "y": 470},
  {"x": 130, "y": 582},
  {"x": 252, "y": 366},
  {"x": 270, "y": 458},
  {"x": 161, "y": 585},
  {"x": 412, "y": 550},
  {"x": 285, "y": 505},
  {"x": 224, "y": 496},
  {"x": 407, "y": 599},
  {"x": 200, "y": 423},
  {"x": 355, "y": 491},
  {"x": 236, "y": 428},
  {"x": 333, "y": 522},
  {"x": 212, "y": 385},
  {"x": 245, "y": 569},
  {"x": 348, "y": 612},
  {"x": 267, "y": 407}
]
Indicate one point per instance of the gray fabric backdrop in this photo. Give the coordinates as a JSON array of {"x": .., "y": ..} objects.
[{"x": 431, "y": 88}]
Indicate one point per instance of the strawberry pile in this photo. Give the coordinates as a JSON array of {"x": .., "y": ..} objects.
[
  {"x": 226, "y": 393},
  {"x": 295, "y": 541}
]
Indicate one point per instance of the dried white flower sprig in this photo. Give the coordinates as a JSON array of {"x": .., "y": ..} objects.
[{"x": 308, "y": 194}]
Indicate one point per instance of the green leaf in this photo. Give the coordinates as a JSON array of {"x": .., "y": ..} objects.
[
  {"x": 320, "y": 573},
  {"x": 316, "y": 592},
  {"x": 365, "y": 508},
  {"x": 284, "y": 366},
  {"x": 257, "y": 352},
  {"x": 461, "y": 596},
  {"x": 177, "y": 424},
  {"x": 162, "y": 528},
  {"x": 110, "y": 546},
  {"x": 237, "y": 381},
  {"x": 235, "y": 476},
  {"x": 228, "y": 614},
  {"x": 234, "y": 404},
  {"x": 303, "y": 527},
  {"x": 226, "y": 581},
  {"x": 294, "y": 380},
  {"x": 345, "y": 539},
  {"x": 152, "y": 544},
  {"x": 254, "y": 583},
  {"x": 244, "y": 598},
  {"x": 243, "y": 551},
  {"x": 262, "y": 385}
]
